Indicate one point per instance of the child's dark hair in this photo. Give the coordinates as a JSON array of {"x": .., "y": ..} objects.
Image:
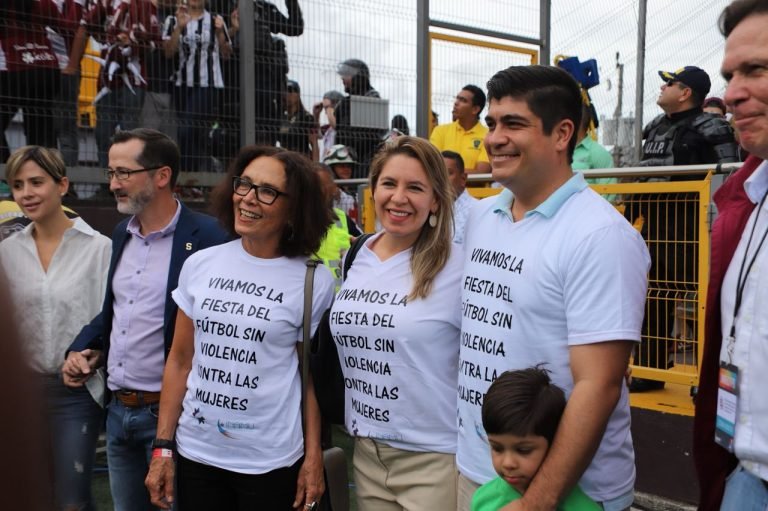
[{"x": 523, "y": 402}]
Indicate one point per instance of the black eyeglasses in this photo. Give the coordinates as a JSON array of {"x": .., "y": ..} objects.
[
  {"x": 123, "y": 174},
  {"x": 264, "y": 194}
]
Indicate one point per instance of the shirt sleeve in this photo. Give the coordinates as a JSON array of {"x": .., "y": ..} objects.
[
  {"x": 168, "y": 26},
  {"x": 182, "y": 295},
  {"x": 322, "y": 297},
  {"x": 605, "y": 284}
]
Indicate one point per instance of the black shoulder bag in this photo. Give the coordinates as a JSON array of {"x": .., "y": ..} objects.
[{"x": 324, "y": 358}]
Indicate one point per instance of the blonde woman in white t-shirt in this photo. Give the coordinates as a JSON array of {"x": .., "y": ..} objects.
[
  {"x": 396, "y": 322},
  {"x": 57, "y": 272}
]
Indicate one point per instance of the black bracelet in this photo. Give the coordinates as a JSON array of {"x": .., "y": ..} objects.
[{"x": 163, "y": 443}]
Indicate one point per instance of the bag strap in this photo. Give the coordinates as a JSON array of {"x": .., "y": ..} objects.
[
  {"x": 352, "y": 253},
  {"x": 309, "y": 280}
]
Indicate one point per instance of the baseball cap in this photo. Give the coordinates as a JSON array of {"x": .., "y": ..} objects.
[
  {"x": 292, "y": 86},
  {"x": 691, "y": 76},
  {"x": 339, "y": 154}
]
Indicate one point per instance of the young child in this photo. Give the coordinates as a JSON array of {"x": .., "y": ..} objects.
[{"x": 521, "y": 412}]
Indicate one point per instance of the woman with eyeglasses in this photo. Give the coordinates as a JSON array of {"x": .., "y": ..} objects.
[
  {"x": 396, "y": 321},
  {"x": 57, "y": 273},
  {"x": 232, "y": 388}
]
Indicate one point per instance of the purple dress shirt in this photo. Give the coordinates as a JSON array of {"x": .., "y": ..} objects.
[{"x": 137, "y": 351}]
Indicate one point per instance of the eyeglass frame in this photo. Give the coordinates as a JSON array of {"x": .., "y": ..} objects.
[
  {"x": 126, "y": 173},
  {"x": 252, "y": 186}
]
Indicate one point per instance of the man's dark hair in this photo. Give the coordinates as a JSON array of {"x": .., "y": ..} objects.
[
  {"x": 308, "y": 215},
  {"x": 453, "y": 155},
  {"x": 159, "y": 149},
  {"x": 586, "y": 116},
  {"x": 478, "y": 96},
  {"x": 523, "y": 402},
  {"x": 737, "y": 11},
  {"x": 550, "y": 93}
]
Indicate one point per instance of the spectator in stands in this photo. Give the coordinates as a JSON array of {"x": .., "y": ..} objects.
[
  {"x": 433, "y": 121},
  {"x": 465, "y": 134},
  {"x": 682, "y": 135},
  {"x": 463, "y": 201},
  {"x": 521, "y": 412},
  {"x": 337, "y": 240},
  {"x": 398, "y": 128},
  {"x": 588, "y": 154},
  {"x": 714, "y": 105},
  {"x": 239, "y": 437},
  {"x": 327, "y": 123},
  {"x": 57, "y": 273},
  {"x": 731, "y": 446},
  {"x": 158, "y": 112},
  {"x": 356, "y": 78},
  {"x": 405, "y": 429},
  {"x": 201, "y": 41},
  {"x": 129, "y": 30},
  {"x": 65, "y": 116},
  {"x": 270, "y": 64},
  {"x": 29, "y": 71},
  {"x": 341, "y": 160},
  {"x": 400, "y": 124},
  {"x": 132, "y": 335},
  {"x": 298, "y": 130},
  {"x": 569, "y": 278}
]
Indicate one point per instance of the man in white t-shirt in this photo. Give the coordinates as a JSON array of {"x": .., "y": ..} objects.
[
  {"x": 457, "y": 175},
  {"x": 553, "y": 274}
]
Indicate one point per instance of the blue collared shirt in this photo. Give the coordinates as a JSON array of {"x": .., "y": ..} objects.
[
  {"x": 550, "y": 206},
  {"x": 137, "y": 348}
]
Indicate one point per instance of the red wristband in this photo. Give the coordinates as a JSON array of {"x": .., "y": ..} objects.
[{"x": 159, "y": 452}]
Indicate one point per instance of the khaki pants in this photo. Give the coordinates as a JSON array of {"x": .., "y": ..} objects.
[
  {"x": 390, "y": 479},
  {"x": 466, "y": 489}
]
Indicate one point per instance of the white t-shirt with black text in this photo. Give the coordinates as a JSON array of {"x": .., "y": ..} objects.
[
  {"x": 399, "y": 356},
  {"x": 573, "y": 272},
  {"x": 241, "y": 411}
]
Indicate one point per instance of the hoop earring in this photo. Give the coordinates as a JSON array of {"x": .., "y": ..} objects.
[{"x": 432, "y": 220}]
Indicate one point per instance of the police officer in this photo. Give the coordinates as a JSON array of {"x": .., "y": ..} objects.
[{"x": 683, "y": 135}]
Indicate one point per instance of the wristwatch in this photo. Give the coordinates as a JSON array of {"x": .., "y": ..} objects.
[{"x": 163, "y": 443}]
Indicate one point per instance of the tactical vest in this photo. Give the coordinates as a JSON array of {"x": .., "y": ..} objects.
[
  {"x": 335, "y": 245},
  {"x": 659, "y": 143},
  {"x": 714, "y": 131}
]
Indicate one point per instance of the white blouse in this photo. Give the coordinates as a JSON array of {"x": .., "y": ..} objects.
[{"x": 52, "y": 307}]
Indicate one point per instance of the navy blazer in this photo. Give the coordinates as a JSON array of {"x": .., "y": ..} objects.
[{"x": 194, "y": 231}]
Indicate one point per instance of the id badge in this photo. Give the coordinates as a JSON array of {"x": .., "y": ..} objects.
[{"x": 727, "y": 405}]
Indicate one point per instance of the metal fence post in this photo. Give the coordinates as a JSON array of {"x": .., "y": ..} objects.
[{"x": 247, "y": 74}]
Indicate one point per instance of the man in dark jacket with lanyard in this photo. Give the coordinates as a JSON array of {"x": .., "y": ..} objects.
[
  {"x": 132, "y": 335},
  {"x": 731, "y": 442}
]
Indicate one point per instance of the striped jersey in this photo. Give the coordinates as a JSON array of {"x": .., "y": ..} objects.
[{"x": 199, "y": 54}]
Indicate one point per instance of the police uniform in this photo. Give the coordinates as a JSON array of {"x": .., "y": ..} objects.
[{"x": 690, "y": 137}]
